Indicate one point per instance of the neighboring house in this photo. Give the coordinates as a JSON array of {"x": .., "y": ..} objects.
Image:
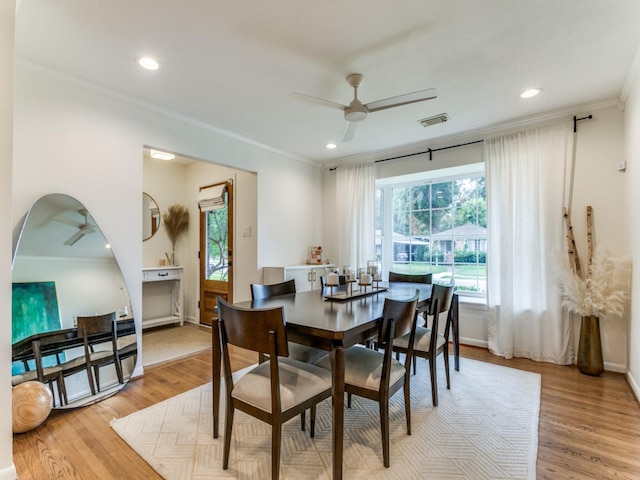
[{"x": 467, "y": 237}]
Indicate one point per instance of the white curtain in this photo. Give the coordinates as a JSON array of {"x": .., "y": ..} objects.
[
  {"x": 526, "y": 177},
  {"x": 355, "y": 198}
]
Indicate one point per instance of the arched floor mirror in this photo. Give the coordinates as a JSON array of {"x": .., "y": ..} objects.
[{"x": 63, "y": 270}]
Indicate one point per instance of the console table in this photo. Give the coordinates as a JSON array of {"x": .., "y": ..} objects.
[{"x": 162, "y": 296}]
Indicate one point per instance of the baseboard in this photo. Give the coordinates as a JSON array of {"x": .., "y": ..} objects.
[
  {"x": 615, "y": 367},
  {"x": 9, "y": 473},
  {"x": 474, "y": 342},
  {"x": 634, "y": 385}
]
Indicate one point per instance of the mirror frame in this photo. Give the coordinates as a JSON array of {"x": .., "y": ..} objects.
[
  {"x": 52, "y": 221},
  {"x": 153, "y": 222}
]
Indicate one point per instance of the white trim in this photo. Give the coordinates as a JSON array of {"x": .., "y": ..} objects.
[
  {"x": 9, "y": 473},
  {"x": 633, "y": 384}
]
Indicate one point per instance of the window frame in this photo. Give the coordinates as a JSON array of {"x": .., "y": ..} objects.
[{"x": 385, "y": 243}]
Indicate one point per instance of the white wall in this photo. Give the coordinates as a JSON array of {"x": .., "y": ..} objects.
[
  {"x": 632, "y": 157},
  {"x": 83, "y": 286},
  {"x": 7, "y": 28},
  {"x": 599, "y": 146},
  {"x": 86, "y": 142},
  {"x": 170, "y": 183}
]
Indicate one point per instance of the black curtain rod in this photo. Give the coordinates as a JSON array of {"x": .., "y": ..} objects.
[
  {"x": 576, "y": 120},
  {"x": 429, "y": 151}
]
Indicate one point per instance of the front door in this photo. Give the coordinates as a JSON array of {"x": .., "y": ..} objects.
[{"x": 216, "y": 243}]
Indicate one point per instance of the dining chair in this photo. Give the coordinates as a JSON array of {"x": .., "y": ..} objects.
[
  {"x": 100, "y": 349},
  {"x": 296, "y": 351},
  {"x": 410, "y": 277},
  {"x": 376, "y": 375},
  {"x": 43, "y": 374},
  {"x": 428, "y": 342},
  {"x": 274, "y": 391}
]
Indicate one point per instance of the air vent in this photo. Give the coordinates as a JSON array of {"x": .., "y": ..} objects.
[{"x": 427, "y": 122}]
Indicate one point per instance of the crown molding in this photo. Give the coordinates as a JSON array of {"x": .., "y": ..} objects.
[
  {"x": 149, "y": 107},
  {"x": 476, "y": 134}
]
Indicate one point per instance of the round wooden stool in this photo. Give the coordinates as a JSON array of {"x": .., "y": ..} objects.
[{"x": 32, "y": 403}]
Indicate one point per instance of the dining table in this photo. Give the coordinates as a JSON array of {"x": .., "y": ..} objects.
[{"x": 332, "y": 321}]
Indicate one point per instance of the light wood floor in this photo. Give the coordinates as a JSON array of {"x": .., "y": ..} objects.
[{"x": 589, "y": 426}]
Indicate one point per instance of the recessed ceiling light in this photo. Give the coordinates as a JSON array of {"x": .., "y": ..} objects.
[
  {"x": 331, "y": 145},
  {"x": 162, "y": 155},
  {"x": 148, "y": 63},
  {"x": 532, "y": 92}
]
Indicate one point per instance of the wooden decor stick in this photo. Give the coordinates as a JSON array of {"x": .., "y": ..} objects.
[
  {"x": 589, "y": 238},
  {"x": 573, "y": 252}
]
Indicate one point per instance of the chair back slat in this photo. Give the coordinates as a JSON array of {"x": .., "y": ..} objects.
[
  {"x": 96, "y": 324},
  {"x": 260, "y": 292},
  {"x": 410, "y": 277},
  {"x": 444, "y": 294},
  {"x": 250, "y": 328},
  {"x": 403, "y": 313}
]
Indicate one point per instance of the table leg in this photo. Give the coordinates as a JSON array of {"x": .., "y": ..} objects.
[
  {"x": 337, "y": 370},
  {"x": 216, "y": 357},
  {"x": 456, "y": 334}
]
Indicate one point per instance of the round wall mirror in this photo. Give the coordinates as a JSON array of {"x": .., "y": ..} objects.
[
  {"x": 65, "y": 276},
  {"x": 150, "y": 216}
]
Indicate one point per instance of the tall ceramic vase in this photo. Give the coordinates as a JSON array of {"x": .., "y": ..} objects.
[{"x": 590, "y": 347}]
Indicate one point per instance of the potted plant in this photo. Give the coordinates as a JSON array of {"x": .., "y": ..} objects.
[
  {"x": 176, "y": 222},
  {"x": 599, "y": 293}
]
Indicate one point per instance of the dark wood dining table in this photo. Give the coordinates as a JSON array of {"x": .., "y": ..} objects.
[{"x": 331, "y": 325}]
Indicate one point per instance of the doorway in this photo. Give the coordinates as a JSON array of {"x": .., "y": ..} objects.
[{"x": 216, "y": 256}]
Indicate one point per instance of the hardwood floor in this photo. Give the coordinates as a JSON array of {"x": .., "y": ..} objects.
[{"x": 589, "y": 426}]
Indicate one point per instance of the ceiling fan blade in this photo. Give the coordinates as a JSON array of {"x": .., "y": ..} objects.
[
  {"x": 317, "y": 101},
  {"x": 400, "y": 100},
  {"x": 77, "y": 236},
  {"x": 349, "y": 130}
]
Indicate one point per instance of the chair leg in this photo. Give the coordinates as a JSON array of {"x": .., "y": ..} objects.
[
  {"x": 96, "y": 371},
  {"x": 414, "y": 364},
  {"x": 91, "y": 384},
  {"x": 407, "y": 403},
  {"x": 62, "y": 391},
  {"x": 303, "y": 421},
  {"x": 434, "y": 381},
  {"x": 384, "y": 428},
  {"x": 312, "y": 421},
  {"x": 228, "y": 426},
  {"x": 119, "y": 374},
  {"x": 276, "y": 434},
  {"x": 349, "y": 400},
  {"x": 446, "y": 366}
]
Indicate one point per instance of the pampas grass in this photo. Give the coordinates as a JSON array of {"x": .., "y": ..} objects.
[
  {"x": 603, "y": 292},
  {"x": 176, "y": 221}
]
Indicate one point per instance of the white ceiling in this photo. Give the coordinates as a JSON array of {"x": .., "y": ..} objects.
[{"x": 233, "y": 64}]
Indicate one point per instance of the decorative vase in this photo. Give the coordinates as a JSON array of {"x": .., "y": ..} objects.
[{"x": 590, "y": 347}]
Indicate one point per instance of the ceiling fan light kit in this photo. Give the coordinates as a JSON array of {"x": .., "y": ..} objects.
[{"x": 356, "y": 111}]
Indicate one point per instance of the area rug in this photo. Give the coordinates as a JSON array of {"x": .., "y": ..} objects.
[
  {"x": 170, "y": 343},
  {"x": 485, "y": 427}
]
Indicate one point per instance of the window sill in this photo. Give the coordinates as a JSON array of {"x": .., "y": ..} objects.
[{"x": 473, "y": 303}]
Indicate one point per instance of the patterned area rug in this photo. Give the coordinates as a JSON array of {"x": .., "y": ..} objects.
[{"x": 485, "y": 427}]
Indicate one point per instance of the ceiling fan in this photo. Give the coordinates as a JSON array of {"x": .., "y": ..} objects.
[
  {"x": 83, "y": 229},
  {"x": 356, "y": 111}
]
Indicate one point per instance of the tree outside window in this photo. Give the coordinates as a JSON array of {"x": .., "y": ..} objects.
[{"x": 439, "y": 228}]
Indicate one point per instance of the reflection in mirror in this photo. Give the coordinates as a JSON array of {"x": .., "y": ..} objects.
[
  {"x": 64, "y": 270},
  {"x": 150, "y": 216}
]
